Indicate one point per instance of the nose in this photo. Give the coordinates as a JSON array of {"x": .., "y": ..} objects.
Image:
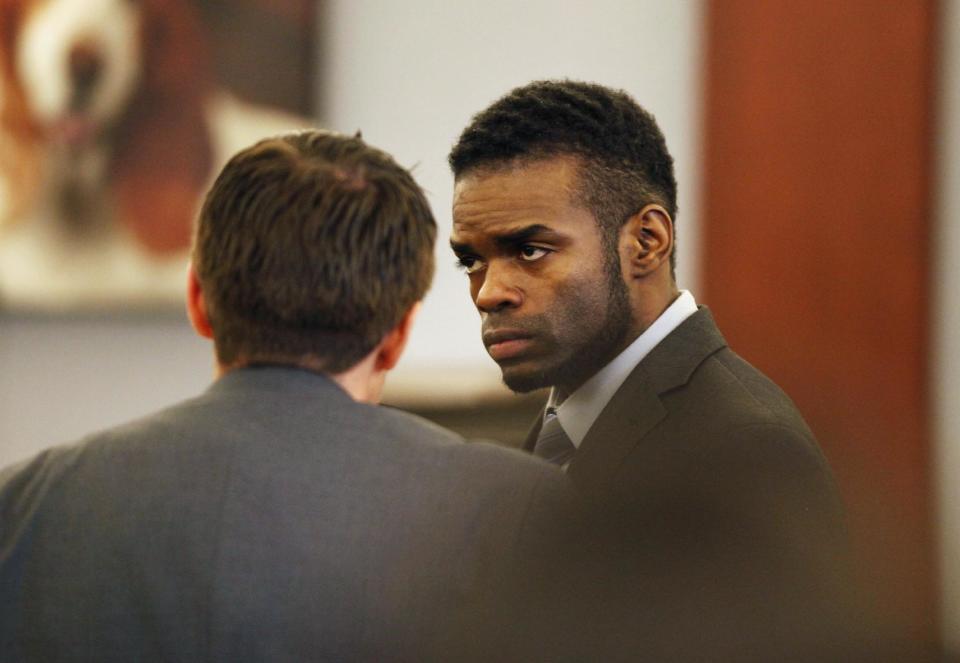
[
  {"x": 498, "y": 290},
  {"x": 84, "y": 64}
]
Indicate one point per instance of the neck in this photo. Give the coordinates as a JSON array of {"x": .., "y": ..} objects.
[
  {"x": 363, "y": 383},
  {"x": 648, "y": 304}
]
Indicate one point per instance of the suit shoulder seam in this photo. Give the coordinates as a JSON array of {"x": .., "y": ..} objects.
[{"x": 746, "y": 390}]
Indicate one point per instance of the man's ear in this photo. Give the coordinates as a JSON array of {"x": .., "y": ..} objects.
[
  {"x": 197, "y": 306},
  {"x": 646, "y": 241},
  {"x": 392, "y": 345}
]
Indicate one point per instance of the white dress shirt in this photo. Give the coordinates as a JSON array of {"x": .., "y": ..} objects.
[{"x": 581, "y": 408}]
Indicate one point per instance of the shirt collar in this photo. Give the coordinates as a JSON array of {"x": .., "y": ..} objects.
[{"x": 579, "y": 410}]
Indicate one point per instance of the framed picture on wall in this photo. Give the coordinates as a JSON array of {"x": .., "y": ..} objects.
[{"x": 115, "y": 115}]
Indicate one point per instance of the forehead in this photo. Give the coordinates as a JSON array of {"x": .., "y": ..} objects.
[{"x": 539, "y": 192}]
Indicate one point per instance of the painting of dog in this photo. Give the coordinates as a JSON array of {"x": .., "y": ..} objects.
[{"x": 112, "y": 126}]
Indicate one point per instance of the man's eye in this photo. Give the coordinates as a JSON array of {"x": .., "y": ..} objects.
[
  {"x": 469, "y": 264},
  {"x": 531, "y": 253}
]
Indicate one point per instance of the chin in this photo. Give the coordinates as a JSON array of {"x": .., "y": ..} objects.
[
  {"x": 568, "y": 373},
  {"x": 524, "y": 381},
  {"x": 523, "y": 384}
]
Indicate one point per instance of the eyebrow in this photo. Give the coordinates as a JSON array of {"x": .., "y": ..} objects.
[
  {"x": 511, "y": 239},
  {"x": 460, "y": 247}
]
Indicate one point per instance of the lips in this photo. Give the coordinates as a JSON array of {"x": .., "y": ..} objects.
[{"x": 505, "y": 344}]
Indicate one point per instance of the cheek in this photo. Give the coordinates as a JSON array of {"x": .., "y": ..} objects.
[
  {"x": 584, "y": 290},
  {"x": 576, "y": 308}
]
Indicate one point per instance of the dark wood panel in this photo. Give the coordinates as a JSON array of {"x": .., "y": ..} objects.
[{"x": 816, "y": 226}]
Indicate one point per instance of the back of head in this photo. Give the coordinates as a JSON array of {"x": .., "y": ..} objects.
[
  {"x": 623, "y": 155},
  {"x": 309, "y": 249}
]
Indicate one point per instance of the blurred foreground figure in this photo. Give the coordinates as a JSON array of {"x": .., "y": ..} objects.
[
  {"x": 281, "y": 515},
  {"x": 724, "y": 529}
]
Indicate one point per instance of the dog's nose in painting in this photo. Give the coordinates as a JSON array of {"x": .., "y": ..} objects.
[{"x": 85, "y": 62}]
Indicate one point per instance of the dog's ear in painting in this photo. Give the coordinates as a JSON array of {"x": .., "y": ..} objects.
[
  {"x": 164, "y": 155},
  {"x": 19, "y": 134}
]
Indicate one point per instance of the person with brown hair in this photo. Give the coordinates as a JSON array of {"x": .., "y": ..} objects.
[{"x": 281, "y": 515}]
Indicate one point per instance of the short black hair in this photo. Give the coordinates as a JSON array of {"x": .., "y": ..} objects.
[
  {"x": 624, "y": 162},
  {"x": 310, "y": 247}
]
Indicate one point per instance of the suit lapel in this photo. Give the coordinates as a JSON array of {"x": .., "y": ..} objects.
[
  {"x": 637, "y": 406},
  {"x": 630, "y": 414}
]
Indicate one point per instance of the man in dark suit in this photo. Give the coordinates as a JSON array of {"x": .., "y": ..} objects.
[
  {"x": 563, "y": 220},
  {"x": 281, "y": 515}
]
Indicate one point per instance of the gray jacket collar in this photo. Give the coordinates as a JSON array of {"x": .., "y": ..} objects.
[{"x": 278, "y": 379}]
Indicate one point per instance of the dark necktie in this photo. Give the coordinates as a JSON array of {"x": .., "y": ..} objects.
[{"x": 552, "y": 444}]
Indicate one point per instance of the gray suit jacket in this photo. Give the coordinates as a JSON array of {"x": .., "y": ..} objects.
[{"x": 270, "y": 519}]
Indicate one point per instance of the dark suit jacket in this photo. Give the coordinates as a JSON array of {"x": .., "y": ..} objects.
[
  {"x": 722, "y": 510},
  {"x": 270, "y": 519}
]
